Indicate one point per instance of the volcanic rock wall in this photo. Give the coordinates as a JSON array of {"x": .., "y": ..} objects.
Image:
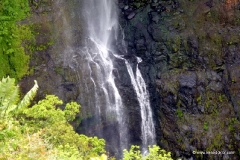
[{"x": 191, "y": 61}]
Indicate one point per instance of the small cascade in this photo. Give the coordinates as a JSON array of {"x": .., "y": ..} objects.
[{"x": 147, "y": 125}]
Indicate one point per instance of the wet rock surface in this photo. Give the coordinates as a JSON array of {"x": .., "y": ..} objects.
[{"x": 190, "y": 52}]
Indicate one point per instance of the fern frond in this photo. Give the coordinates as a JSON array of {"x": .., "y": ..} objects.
[
  {"x": 26, "y": 101},
  {"x": 9, "y": 91},
  {"x": 9, "y": 95}
]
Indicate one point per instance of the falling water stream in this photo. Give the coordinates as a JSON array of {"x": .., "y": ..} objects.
[
  {"x": 102, "y": 24},
  {"x": 94, "y": 66},
  {"x": 147, "y": 125}
]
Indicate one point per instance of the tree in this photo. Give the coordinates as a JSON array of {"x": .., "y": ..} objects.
[
  {"x": 41, "y": 131},
  {"x": 13, "y": 38}
]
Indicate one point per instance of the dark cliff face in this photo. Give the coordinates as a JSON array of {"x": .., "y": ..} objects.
[{"x": 191, "y": 61}]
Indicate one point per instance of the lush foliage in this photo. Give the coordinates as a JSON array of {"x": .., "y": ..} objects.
[
  {"x": 155, "y": 153},
  {"x": 41, "y": 131},
  {"x": 13, "y": 58},
  {"x": 9, "y": 96}
]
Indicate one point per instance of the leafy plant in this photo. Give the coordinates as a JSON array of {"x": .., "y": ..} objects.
[
  {"x": 133, "y": 154},
  {"x": 71, "y": 110},
  {"x": 155, "y": 153},
  {"x": 179, "y": 113},
  {"x": 9, "y": 96},
  {"x": 13, "y": 37},
  {"x": 103, "y": 157},
  {"x": 205, "y": 126},
  {"x": 41, "y": 131}
]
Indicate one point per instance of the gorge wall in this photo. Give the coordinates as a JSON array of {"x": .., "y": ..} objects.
[
  {"x": 191, "y": 54},
  {"x": 191, "y": 63}
]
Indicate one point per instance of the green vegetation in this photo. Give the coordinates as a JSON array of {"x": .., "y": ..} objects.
[
  {"x": 9, "y": 96},
  {"x": 199, "y": 100},
  {"x": 205, "y": 126},
  {"x": 179, "y": 113},
  {"x": 13, "y": 37},
  {"x": 232, "y": 122},
  {"x": 42, "y": 131},
  {"x": 155, "y": 153}
]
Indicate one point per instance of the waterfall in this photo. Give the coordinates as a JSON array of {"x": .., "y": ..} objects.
[
  {"x": 147, "y": 125},
  {"x": 102, "y": 24},
  {"x": 103, "y": 111}
]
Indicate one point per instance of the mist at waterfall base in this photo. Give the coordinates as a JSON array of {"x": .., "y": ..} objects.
[{"x": 113, "y": 94}]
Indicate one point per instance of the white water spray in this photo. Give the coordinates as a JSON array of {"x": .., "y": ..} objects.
[
  {"x": 102, "y": 23},
  {"x": 94, "y": 66},
  {"x": 147, "y": 125}
]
